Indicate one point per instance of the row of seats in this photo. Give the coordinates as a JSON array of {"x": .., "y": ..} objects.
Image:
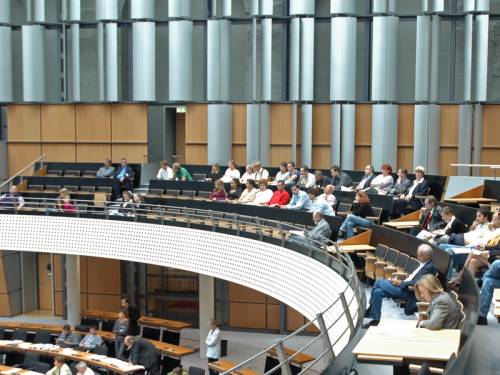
[
  {"x": 387, "y": 262},
  {"x": 70, "y": 188},
  {"x": 70, "y": 173}
]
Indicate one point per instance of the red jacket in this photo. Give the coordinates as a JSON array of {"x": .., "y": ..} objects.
[{"x": 280, "y": 197}]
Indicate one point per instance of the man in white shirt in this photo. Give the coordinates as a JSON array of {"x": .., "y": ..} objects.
[
  {"x": 231, "y": 172},
  {"x": 283, "y": 173},
  {"x": 165, "y": 172},
  {"x": 259, "y": 172},
  {"x": 82, "y": 369},
  {"x": 318, "y": 205},
  {"x": 263, "y": 196},
  {"x": 307, "y": 180},
  {"x": 328, "y": 196}
]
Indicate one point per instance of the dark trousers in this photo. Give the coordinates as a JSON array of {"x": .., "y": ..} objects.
[{"x": 210, "y": 371}]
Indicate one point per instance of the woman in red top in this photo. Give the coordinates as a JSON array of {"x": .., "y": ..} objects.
[
  {"x": 218, "y": 194},
  {"x": 280, "y": 196}
]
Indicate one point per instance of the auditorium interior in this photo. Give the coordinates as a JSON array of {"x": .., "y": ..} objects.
[{"x": 249, "y": 187}]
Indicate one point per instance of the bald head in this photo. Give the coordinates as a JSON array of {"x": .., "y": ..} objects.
[{"x": 424, "y": 253}]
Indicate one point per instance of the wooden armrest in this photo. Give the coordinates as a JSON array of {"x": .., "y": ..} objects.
[
  {"x": 362, "y": 255},
  {"x": 379, "y": 263},
  {"x": 371, "y": 259},
  {"x": 400, "y": 275},
  {"x": 420, "y": 196},
  {"x": 433, "y": 370},
  {"x": 379, "y": 358},
  {"x": 373, "y": 218},
  {"x": 388, "y": 268}
]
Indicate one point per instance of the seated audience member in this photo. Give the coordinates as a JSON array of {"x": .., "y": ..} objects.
[
  {"x": 395, "y": 288},
  {"x": 12, "y": 199},
  {"x": 479, "y": 231},
  {"x": 280, "y": 196},
  {"x": 320, "y": 180},
  {"x": 443, "y": 312},
  {"x": 293, "y": 174},
  {"x": 215, "y": 173},
  {"x": 247, "y": 195},
  {"x": 319, "y": 233},
  {"x": 384, "y": 182},
  {"x": 165, "y": 172},
  {"x": 133, "y": 315},
  {"x": 67, "y": 206},
  {"x": 328, "y": 196},
  {"x": 120, "y": 329},
  {"x": 453, "y": 226},
  {"x": 300, "y": 200},
  {"x": 319, "y": 205},
  {"x": 264, "y": 195},
  {"x": 231, "y": 172},
  {"x": 491, "y": 281},
  {"x": 367, "y": 179},
  {"x": 234, "y": 190},
  {"x": 138, "y": 202},
  {"x": 143, "y": 353},
  {"x": 60, "y": 367},
  {"x": 178, "y": 371},
  {"x": 260, "y": 174},
  {"x": 91, "y": 340},
  {"x": 361, "y": 209},
  {"x": 340, "y": 179},
  {"x": 429, "y": 217},
  {"x": 306, "y": 179},
  {"x": 218, "y": 194},
  {"x": 248, "y": 175},
  {"x": 124, "y": 174},
  {"x": 181, "y": 173},
  {"x": 67, "y": 338},
  {"x": 283, "y": 173},
  {"x": 419, "y": 187},
  {"x": 127, "y": 207},
  {"x": 106, "y": 171},
  {"x": 402, "y": 184},
  {"x": 82, "y": 369}
]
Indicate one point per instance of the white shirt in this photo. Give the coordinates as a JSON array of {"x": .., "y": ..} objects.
[
  {"x": 280, "y": 176},
  {"x": 165, "y": 174},
  {"x": 328, "y": 198},
  {"x": 382, "y": 182},
  {"x": 261, "y": 174},
  {"x": 263, "y": 196},
  {"x": 414, "y": 186},
  {"x": 229, "y": 174},
  {"x": 307, "y": 181},
  {"x": 410, "y": 278},
  {"x": 213, "y": 343},
  {"x": 247, "y": 176},
  {"x": 480, "y": 236},
  {"x": 88, "y": 371}
]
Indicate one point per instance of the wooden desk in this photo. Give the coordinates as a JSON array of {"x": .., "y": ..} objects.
[
  {"x": 471, "y": 200},
  {"x": 402, "y": 225},
  {"x": 298, "y": 360},
  {"x": 400, "y": 342},
  {"x": 223, "y": 365},
  {"x": 111, "y": 364},
  {"x": 32, "y": 327},
  {"x": 354, "y": 248},
  {"x": 18, "y": 370}
]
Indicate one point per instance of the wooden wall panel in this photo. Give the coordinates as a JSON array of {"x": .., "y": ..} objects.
[
  {"x": 134, "y": 153},
  {"x": 321, "y": 157},
  {"x": 196, "y": 154},
  {"x": 239, "y": 154},
  {"x": 490, "y": 153},
  {"x": 277, "y": 154},
  {"x": 23, "y": 123},
  {"x": 490, "y": 156},
  {"x": 273, "y": 317},
  {"x": 105, "y": 276},
  {"x": 240, "y": 293},
  {"x": 5, "y": 305},
  {"x": 321, "y": 125},
  {"x": 449, "y": 139},
  {"x": 129, "y": 122},
  {"x": 93, "y": 122},
  {"x": 103, "y": 302},
  {"x": 3, "y": 282},
  {"x": 58, "y": 123},
  {"x": 59, "y": 152},
  {"x": 294, "y": 319},
  {"x": 44, "y": 282},
  {"x": 83, "y": 274},
  {"x": 363, "y": 138},
  {"x": 22, "y": 154},
  {"x": 196, "y": 124},
  {"x": 448, "y": 156},
  {"x": 363, "y": 157},
  {"x": 180, "y": 137},
  {"x": 84, "y": 302},
  {"x": 405, "y": 158},
  {"x": 93, "y": 153},
  {"x": 280, "y": 124},
  {"x": 247, "y": 315},
  {"x": 239, "y": 123}
]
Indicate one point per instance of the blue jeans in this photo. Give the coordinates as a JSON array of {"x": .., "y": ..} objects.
[
  {"x": 455, "y": 258},
  {"x": 491, "y": 280},
  {"x": 352, "y": 221},
  {"x": 382, "y": 289}
]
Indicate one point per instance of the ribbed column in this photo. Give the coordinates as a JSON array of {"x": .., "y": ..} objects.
[
  {"x": 179, "y": 8},
  {"x": 481, "y": 58},
  {"x": 423, "y": 58},
  {"x": 307, "y": 59},
  {"x": 106, "y": 10},
  {"x": 100, "y": 61},
  {"x": 74, "y": 10},
  {"x": 468, "y": 56},
  {"x": 384, "y": 57},
  {"x": 5, "y": 12},
  {"x": 306, "y": 141},
  {"x": 218, "y": 59},
  {"x": 294, "y": 60},
  {"x": 384, "y": 134},
  {"x": 348, "y": 136},
  {"x": 219, "y": 133},
  {"x": 342, "y": 6},
  {"x": 142, "y": 9},
  {"x": 343, "y": 57},
  {"x": 6, "y": 94},
  {"x": 253, "y": 138},
  {"x": 464, "y": 138},
  {"x": 180, "y": 62},
  {"x": 335, "y": 134},
  {"x": 264, "y": 134},
  {"x": 427, "y": 136},
  {"x": 227, "y": 9},
  {"x": 301, "y": 7},
  {"x": 38, "y": 11},
  {"x": 72, "y": 288},
  {"x": 143, "y": 55},
  {"x": 266, "y": 7},
  {"x": 33, "y": 63},
  {"x": 294, "y": 133},
  {"x": 267, "y": 39},
  {"x": 478, "y": 138},
  {"x": 75, "y": 60},
  {"x": 435, "y": 50},
  {"x": 111, "y": 67}
]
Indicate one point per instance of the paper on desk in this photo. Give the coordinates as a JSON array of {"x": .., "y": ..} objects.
[
  {"x": 31, "y": 373},
  {"x": 297, "y": 232},
  {"x": 467, "y": 250},
  {"x": 10, "y": 371}
]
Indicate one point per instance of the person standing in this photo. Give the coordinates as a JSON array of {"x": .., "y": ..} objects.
[
  {"x": 133, "y": 316},
  {"x": 120, "y": 329},
  {"x": 143, "y": 353},
  {"x": 213, "y": 342}
]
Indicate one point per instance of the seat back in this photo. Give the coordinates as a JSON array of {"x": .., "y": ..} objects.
[
  {"x": 31, "y": 360},
  {"x": 155, "y": 191},
  {"x": 71, "y": 188},
  {"x": 172, "y": 193},
  {"x": 72, "y": 173},
  {"x": 151, "y": 333},
  {"x": 105, "y": 189},
  {"x": 203, "y": 194},
  {"x": 54, "y": 172},
  {"x": 402, "y": 260},
  {"x": 87, "y": 189},
  {"x": 19, "y": 334},
  {"x": 380, "y": 251},
  {"x": 89, "y": 173},
  {"x": 101, "y": 349},
  {"x": 199, "y": 176},
  {"x": 42, "y": 337},
  {"x": 377, "y": 213},
  {"x": 35, "y": 187},
  {"x": 391, "y": 255},
  {"x": 196, "y": 371},
  {"x": 53, "y": 187},
  {"x": 188, "y": 193},
  {"x": 411, "y": 265},
  {"x": 343, "y": 208}
]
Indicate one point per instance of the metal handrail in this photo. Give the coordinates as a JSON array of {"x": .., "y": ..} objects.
[
  {"x": 51, "y": 206},
  {"x": 19, "y": 174}
]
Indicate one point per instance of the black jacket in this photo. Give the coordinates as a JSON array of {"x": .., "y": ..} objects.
[
  {"x": 367, "y": 182},
  {"x": 343, "y": 180},
  {"x": 435, "y": 222},
  {"x": 362, "y": 210},
  {"x": 133, "y": 316},
  {"x": 145, "y": 354},
  {"x": 421, "y": 189},
  {"x": 456, "y": 227},
  {"x": 129, "y": 172}
]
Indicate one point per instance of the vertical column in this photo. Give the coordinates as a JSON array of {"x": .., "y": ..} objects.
[
  {"x": 75, "y": 59},
  {"x": 143, "y": 54},
  {"x": 423, "y": 58},
  {"x": 264, "y": 134},
  {"x": 306, "y": 141},
  {"x": 73, "y": 289},
  {"x": 6, "y": 94},
  {"x": 106, "y": 10},
  {"x": 5, "y": 15},
  {"x": 478, "y": 138},
  {"x": 179, "y": 8},
  {"x": 294, "y": 60},
  {"x": 220, "y": 133},
  {"x": 206, "y": 293},
  {"x": 100, "y": 60},
  {"x": 107, "y": 44},
  {"x": 74, "y": 10},
  {"x": 253, "y": 133},
  {"x": 307, "y": 59},
  {"x": 33, "y": 63},
  {"x": 384, "y": 134},
  {"x": 39, "y": 11},
  {"x": 342, "y": 53},
  {"x": 435, "y": 50},
  {"x": 142, "y": 9},
  {"x": 468, "y": 54},
  {"x": 348, "y": 135},
  {"x": 464, "y": 138},
  {"x": 267, "y": 39},
  {"x": 227, "y": 8},
  {"x": 481, "y": 58},
  {"x": 111, "y": 68},
  {"x": 427, "y": 137},
  {"x": 218, "y": 59},
  {"x": 294, "y": 133},
  {"x": 335, "y": 134},
  {"x": 180, "y": 46}
]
